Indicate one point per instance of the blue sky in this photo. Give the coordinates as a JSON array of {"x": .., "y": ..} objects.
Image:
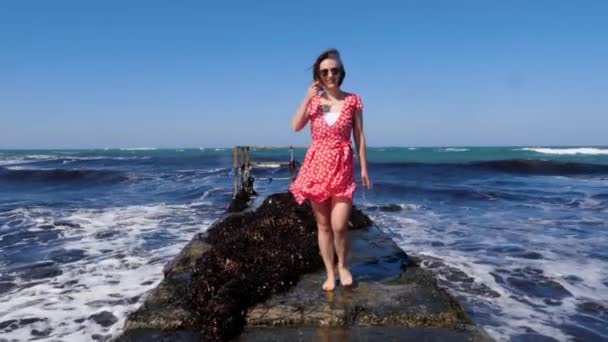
[{"x": 85, "y": 74}]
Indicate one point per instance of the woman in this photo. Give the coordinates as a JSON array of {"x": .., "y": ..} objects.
[{"x": 326, "y": 177}]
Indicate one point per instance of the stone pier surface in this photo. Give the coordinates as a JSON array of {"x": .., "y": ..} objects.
[{"x": 392, "y": 299}]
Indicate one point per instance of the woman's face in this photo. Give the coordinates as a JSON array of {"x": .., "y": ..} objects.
[{"x": 330, "y": 71}]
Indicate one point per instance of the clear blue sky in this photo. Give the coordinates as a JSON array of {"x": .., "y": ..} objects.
[{"x": 218, "y": 73}]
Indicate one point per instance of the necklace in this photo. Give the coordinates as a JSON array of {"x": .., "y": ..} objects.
[{"x": 329, "y": 104}]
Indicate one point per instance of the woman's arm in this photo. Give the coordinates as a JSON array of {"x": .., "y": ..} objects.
[
  {"x": 300, "y": 118},
  {"x": 361, "y": 147}
]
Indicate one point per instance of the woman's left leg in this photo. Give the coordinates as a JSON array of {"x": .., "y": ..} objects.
[{"x": 340, "y": 213}]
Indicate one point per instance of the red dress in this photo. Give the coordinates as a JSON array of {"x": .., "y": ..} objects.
[{"x": 327, "y": 170}]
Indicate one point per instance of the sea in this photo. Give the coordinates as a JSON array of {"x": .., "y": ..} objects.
[{"x": 519, "y": 235}]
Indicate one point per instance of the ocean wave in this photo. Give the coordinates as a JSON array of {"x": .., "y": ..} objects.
[
  {"x": 116, "y": 253},
  {"x": 457, "y": 194},
  {"x": 541, "y": 167},
  {"x": 19, "y": 174},
  {"x": 393, "y": 207},
  {"x": 268, "y": 166},
  {"x": 64, "y": 159},
  {"x": 514, "y": 288},
  {"x": 567, "y": 151},
  {"x": 138, "y": 149},
  {"x": 27, "y": 159},
  {"x": 453, "y": 149},
  {"x": 519, "y": 166}
]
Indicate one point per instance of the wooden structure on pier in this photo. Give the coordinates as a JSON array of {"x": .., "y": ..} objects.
[{"x": 242, "y": 164}]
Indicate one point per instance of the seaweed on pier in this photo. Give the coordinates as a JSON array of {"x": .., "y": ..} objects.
[{"x": 254, "y": 256}]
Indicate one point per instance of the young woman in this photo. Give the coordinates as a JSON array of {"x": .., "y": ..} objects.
[{"x": 326, "y": 177}]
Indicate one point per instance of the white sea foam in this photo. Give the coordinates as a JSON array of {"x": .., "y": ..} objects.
[
  {"x": 409, "y": 206},
  {"x": 138, "y": 148},
  {"x": 567, "y": 151},
  {"x": 125, "y": 250},
  {"x": 453, "y": 149},
  {"x": 435, "y": 237},
  {"x": 27, "y": 159},
  {"x": 269, "y": 166}
]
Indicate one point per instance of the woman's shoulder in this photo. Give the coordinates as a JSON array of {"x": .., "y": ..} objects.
[
  {"x": 351, "y": 94},
  {"x": 355, "y": 99}
]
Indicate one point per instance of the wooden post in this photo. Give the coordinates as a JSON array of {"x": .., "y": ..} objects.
[
  {"x": 243, "y": 164},
  {"x": 235, "y": 155},
  {"x": 292, "y": 163},
  {"x": 247, "y": 164}
]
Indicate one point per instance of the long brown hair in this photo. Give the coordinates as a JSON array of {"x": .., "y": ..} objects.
[{"x": 329, "y": 53}]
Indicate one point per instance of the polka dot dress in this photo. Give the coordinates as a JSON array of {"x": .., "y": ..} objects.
[{"x": 327, "y": 170}]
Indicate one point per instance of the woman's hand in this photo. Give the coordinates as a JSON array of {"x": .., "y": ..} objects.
[
  {"x": 367, "y": 183},
  {"x": 313, "y": 90}
]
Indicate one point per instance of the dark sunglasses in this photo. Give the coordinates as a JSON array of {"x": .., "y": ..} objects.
[{"x": 334, "y": 71}]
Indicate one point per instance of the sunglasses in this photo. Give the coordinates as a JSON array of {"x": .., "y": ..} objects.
[{"x": 334, "y": 71}]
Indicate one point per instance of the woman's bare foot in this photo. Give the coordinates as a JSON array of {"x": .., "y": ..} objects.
[
  {"x": 346, "y": 279},
  {"x": 330, "y": 284}
]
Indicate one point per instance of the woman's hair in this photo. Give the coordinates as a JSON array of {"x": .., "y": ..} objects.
[{"x": 329, "y": 53}]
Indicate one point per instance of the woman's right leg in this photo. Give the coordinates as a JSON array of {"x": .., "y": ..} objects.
[{"x": 326, "y": 241}]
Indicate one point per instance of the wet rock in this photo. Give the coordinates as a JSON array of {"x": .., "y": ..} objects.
[
  {"x": 101, "y": 338},
  {"x": 455, "y": 278},
  {"x": 358, "y": 333},
  {"x": 40, "y": 333},
  {"x": 106, "y": 234},
  {"x": 112, "y": 302},
  {"x": 456, "y": 275},
  {"x": 13, "y": 324},
  {"x": 572, "y": 279},
  {"x": 42, "y": 272},
  {"x": 133, "y": 300},
  {"x": 6, "y": 287},
  {"x": 241, "y": 201},
  {"x": 532, "y": 337},
  {"x": 66, "y": 255},
  {"x": 69, "y": 283},
  {"x": 483, "y": 290},
  {"x": 552, "y": 302},
  {"x": 27, "y": 321},
  {"x": 148, "y": 335},
  {"x": 592, "y": 308},
  {"x": 385, "y": 208},
  {"x": 8, "y": 323},
  {"x": 104, "y": 318},
  {"x": 67, "y": 224},
  {"x": 532, "y": 282},
  {"x": 39, "y": 270},
  {"x": 529, "y": 255}
]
